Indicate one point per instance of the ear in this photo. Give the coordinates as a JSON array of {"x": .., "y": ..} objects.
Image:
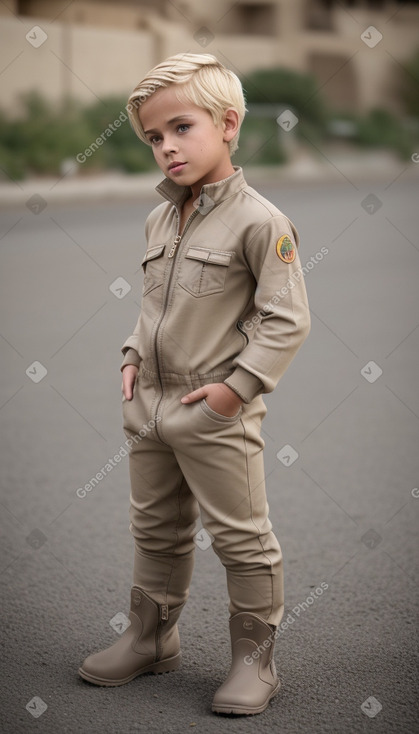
[{"x": 230, "y": 124}]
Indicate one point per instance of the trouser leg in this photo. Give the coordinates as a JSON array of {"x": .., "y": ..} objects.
[
  {"x": 222, "y": 462},
  {"x": 162, "y": 511},
  {"x": 162, "y": 520}
]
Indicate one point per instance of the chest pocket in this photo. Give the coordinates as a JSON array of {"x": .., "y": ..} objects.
[
  {"x": 153, "y": 265},
  {"x": 204, "y": 271}
]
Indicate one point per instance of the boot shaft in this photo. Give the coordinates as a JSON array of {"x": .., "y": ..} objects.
[
  {"x": 155, "y": 623},
  {"x": 253, "y": 640}
]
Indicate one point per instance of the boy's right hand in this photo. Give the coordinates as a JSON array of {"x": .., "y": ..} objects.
[{"x": 129, "y": 375}]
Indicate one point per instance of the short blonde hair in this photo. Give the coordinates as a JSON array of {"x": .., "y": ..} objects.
[{"x": 202, "y": 80}]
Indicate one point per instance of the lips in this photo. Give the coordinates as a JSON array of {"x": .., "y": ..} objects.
[{"x": 176, "y": 166}]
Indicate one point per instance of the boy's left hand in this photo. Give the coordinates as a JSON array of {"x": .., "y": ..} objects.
[{"x": 219, "y": 396}]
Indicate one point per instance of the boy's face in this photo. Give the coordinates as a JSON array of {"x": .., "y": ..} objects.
[{"x": 187, "y": 146}]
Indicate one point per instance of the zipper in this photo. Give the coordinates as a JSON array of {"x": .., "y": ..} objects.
[
  {"x": 171, "y": 255},
  {"x": 173, "y": 248},
  {"x": 163, "y": 617}
]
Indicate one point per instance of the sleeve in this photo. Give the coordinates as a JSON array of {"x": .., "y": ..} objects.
[
  {"x": 131, "y": 356},
  {"x": 129, "y": 348},
  {"x": 280, "y": 320}
]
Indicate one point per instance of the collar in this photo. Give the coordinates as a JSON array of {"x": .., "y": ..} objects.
[{"x": 217, "y": 191}]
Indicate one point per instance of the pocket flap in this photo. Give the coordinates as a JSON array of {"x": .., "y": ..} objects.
[
  {"x": 152, "y": 253},
  {"x": 209, "y": 256}
]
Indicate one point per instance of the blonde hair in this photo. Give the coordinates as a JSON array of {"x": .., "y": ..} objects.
[{"x": 202, "y": 80}]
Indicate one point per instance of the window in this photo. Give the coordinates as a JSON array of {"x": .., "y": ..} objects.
[
  {"x": 258, "y": 19},
  {"x": 318, "y": 15}
]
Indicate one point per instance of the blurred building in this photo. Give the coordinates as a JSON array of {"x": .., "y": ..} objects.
[{"x": 93, "y": 48}]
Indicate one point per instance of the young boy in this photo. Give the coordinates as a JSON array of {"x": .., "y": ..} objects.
[{"x": 224, "y": 311}]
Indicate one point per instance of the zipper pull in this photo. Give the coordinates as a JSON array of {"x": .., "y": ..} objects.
[
  {"x": 174, "y": 246},
  {"x": 164, "y": 608}
]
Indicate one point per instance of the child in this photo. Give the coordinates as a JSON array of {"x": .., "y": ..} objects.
[{"x": 224, "y": 310}]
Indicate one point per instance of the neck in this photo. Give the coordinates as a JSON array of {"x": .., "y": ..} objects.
[{"x": 218, "y": 174}]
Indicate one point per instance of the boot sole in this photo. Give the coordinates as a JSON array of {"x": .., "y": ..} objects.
[
  {"x": 244, "y": 710},
  {"x": 162, "y": 666}
]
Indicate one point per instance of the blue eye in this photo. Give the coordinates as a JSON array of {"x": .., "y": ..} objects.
[{"x": 184, "y": 125}]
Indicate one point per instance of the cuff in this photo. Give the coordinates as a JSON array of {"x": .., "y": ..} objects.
[
  {"x": 131, "y": 357},
  {"x": 245, "y": 384}
]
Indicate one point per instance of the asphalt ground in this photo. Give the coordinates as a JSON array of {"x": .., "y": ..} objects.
[{"x": 344, "y": 507}]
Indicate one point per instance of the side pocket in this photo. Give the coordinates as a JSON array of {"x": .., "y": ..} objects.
[{"x": 218, "y": 416}]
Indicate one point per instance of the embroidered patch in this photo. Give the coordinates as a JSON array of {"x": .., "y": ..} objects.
[{"x": 285, "y": 249}]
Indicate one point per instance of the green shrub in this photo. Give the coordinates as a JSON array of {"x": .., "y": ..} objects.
[
  {"x": 37, "y": 142},
  {"x": 289, "y": 89},
  {"x": 259, "y": 143},
  {"x": 381, "y": 129},
  {"x": 262, "y": 142},
  {"x": 122, "y": 150}
]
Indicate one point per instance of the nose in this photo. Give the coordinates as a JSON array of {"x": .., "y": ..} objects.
[{"x": 169, "y": 145}]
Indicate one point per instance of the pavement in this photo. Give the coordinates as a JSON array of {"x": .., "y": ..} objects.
[{"x": 341, "y": 439}]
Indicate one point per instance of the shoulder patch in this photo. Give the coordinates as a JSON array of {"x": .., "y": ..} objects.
[{"x": 285, "y": 249}]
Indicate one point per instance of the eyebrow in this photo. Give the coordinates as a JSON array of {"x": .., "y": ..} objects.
[{"x": 174, "y": 119}]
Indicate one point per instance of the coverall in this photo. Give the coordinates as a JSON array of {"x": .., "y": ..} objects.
[{"x": 224, "y": 301}]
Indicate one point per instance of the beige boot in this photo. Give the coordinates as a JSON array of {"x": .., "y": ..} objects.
[
  {"x": 252, "y": 680},
  {"x": 149, "y": 645}
]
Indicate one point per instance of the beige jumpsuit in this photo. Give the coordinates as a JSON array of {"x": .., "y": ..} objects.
[{"x": 225, "y": 302}]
